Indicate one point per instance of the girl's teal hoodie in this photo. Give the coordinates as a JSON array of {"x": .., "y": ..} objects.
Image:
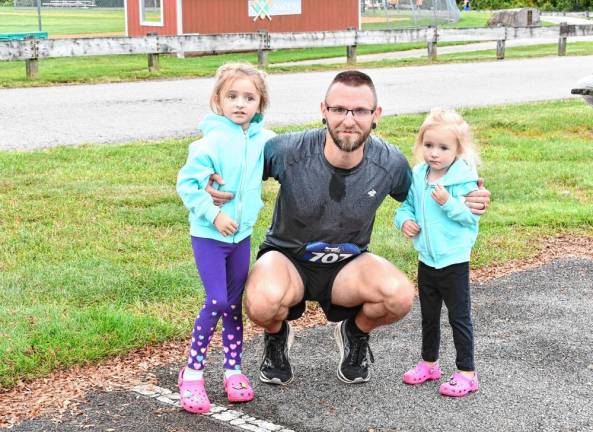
[
  {"x": 237, "y": 156},
  {"x": 447, "y": 232}
]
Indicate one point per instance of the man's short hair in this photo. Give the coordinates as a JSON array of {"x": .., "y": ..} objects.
[{"x": 354, "y": 78}]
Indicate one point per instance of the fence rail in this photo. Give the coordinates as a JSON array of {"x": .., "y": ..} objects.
[{"x": 32, "y": 50}]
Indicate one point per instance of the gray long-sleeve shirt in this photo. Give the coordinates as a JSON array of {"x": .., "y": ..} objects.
[{"x": 318, "y": 202}]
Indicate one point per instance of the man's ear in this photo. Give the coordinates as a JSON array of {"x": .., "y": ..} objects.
[{"x": 377, "y": 114}]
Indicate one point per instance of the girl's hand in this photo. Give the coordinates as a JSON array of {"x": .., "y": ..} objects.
[
  {"x": 225, "y": 225},
  {"x": 440, "y": 194},
  {"x": 410, "y": 228}
]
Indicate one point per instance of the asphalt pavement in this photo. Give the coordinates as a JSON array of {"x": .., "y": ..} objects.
[
  {"x": 533, "y": 352},
  {"x": 32, "y": 118}
]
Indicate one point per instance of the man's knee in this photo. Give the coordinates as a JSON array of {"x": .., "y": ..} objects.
[
  {"x": 398, "y": 296},
  {"x": 262, "y": 300}
]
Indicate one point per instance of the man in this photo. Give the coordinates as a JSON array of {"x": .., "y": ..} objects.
[{"x": 332, "y": 182}]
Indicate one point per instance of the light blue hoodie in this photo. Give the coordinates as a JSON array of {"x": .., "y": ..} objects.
[
  {"x": 447, "y": 232},
  {"x": 237, "y": 156}
]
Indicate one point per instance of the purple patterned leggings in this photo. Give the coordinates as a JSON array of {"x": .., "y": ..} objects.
[{"x": 223, "y": 268}]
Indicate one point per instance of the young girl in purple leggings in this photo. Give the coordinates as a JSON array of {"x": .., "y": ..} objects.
[{"x": 232, "y": 146}]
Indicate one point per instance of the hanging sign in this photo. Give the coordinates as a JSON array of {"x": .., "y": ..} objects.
[{"x": 263, "y": 9}]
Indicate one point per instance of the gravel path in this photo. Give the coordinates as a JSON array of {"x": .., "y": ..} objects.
[{"x": 114, "y": 113}]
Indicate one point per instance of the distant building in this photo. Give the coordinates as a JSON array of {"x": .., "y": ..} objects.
[{"x": 178, "y": 17}]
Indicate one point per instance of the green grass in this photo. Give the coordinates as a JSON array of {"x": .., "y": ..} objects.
[
  {"x": 134, "y": 67},
  {"x": 396, "y": 20},
  {"x": 575, "y": 48},
  {"x": 96, "y": 260},
  {"x": 59, "y": 22}
]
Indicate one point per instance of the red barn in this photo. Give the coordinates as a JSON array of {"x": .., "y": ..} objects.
[{"x": 178, "y": 17}]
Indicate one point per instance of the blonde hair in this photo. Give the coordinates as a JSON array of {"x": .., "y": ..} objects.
[
  {"x": 452, "y": 120},
  {"x": 228, "y": 73}
]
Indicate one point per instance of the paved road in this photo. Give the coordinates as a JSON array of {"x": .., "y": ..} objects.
[
  {"x": 533, "y": 350},
  {"x": 66, "y": 115}
]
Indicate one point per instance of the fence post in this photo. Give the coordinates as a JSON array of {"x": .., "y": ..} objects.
[
  {"x": 562, "y": 39},
  {"x": 262, "y": 52},
  {"x": 153, "y": 58},
  {"x": 351, "y": 50},
  {"x": 351, "y": 55},
  {"x": 32, "y": 64},
  {"x": 432, "y": 44},
  {"x": 500, "y": 45}
]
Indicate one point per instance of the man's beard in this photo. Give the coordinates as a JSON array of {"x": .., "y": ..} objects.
[{"x": 348, "y": 146}]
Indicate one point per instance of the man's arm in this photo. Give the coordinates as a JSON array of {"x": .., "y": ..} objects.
[
  {"x": 221, "y": 198},
  {"x": 478, "y": 201},
  {"x": 218, "y": 197}
]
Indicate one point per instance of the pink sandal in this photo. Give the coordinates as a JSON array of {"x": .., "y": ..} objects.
[
  {"x": 192, "y": 395},
  {"x": 459, "y": 385},
  {"x": 421, "y": 373},
  {"x": 238, "y": 388}
]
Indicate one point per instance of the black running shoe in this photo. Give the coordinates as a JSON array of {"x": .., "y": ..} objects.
[
  {"x": 275, "y": 366},
  {"x": 353, "y": 366}
]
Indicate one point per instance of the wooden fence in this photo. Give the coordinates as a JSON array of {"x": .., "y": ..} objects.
[{"x": 32, "y": 50}]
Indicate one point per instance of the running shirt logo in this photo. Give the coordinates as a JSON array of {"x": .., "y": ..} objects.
[
  {"x": 325, "y": 253},
  {"x": 372, "y": 193}
]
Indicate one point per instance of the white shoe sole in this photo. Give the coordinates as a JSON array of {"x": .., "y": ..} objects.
[{"x": 340, "y": 343}]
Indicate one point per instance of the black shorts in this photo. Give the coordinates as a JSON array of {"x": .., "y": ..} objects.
[{"x": 318, "y": 280}]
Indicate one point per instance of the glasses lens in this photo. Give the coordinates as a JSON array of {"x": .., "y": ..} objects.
[
  {"x": 362, "y": 113},
  {"x": 338, "y": 110}
]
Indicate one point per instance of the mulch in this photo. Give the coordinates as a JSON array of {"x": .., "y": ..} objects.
[{"x": 61, "y": 392}]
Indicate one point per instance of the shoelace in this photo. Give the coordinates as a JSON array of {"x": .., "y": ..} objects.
[
  {"x": 358, "y": 350},
  {"x": 277, "y": 351}
]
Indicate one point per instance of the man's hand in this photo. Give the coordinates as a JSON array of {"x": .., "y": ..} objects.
[
  {"x": 478, "y": 201},
  {"x": 225, "y": 225},
  {"x": 410, "y": 228},
  {"x": 440, "y": 194},
  {"x": 218, "y": 197}
]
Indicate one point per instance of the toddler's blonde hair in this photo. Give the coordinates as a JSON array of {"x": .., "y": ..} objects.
[
  {"x": 452, "y": 120},
  {"x": 228, "y": 73}
]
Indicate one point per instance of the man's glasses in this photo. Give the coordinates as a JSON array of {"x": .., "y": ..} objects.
[{"x": 357, "y": 113}]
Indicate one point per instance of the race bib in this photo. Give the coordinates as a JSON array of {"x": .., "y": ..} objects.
[{"x": 325, "y": 253}]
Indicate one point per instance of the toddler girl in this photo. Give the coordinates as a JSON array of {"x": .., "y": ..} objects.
[{"x": 443, "y": 230}]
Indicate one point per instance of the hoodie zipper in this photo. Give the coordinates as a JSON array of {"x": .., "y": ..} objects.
[
  {"x": 425, "y": 229},
  {"x": 241, "y": 183}
]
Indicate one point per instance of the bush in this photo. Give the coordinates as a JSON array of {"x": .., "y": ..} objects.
[{"x": 545, "y": 5}]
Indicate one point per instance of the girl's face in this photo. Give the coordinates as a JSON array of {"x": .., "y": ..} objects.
[
  {"x": 439, "y": 148},
  {"x": 240, "y": 101}
]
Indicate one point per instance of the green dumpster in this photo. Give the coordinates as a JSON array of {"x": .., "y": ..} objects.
[{"x": 23, "y": 36}]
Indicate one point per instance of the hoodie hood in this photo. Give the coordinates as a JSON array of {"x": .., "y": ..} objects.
[
  {"x": 460, "y": 171},
  {"x": 213, "y": 122}
]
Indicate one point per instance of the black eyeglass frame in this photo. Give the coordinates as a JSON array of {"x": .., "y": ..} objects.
[{"x": 353, "y": 111}]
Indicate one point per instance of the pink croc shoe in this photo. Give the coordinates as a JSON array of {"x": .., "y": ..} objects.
[
  {"x": 192, "y": 395},
  {"x": 421, "y": 373},
  {"x": 238, "y": 388},
  {"x": 459, "y": 385}
]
